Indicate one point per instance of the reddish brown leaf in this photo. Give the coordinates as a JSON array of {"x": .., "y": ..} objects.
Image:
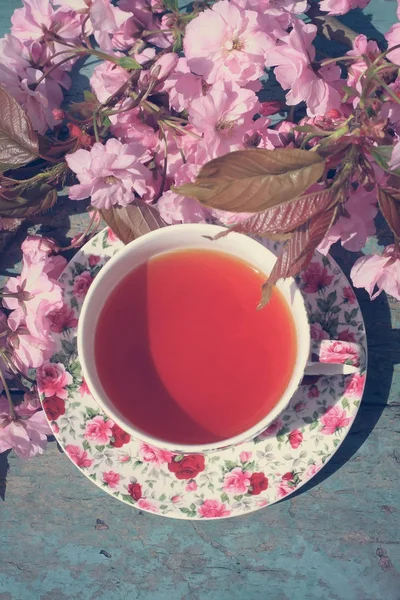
[
  {"x": 390, "y": 208},
  {"x": 298, "y": 251},
  {"x": 18, "y": 140},
  {"x": 286, "y": 217},
  {"x": 132, "y": 221},
  {"x": 254, "y": 180},
  {"x": 20, "y": 205}
]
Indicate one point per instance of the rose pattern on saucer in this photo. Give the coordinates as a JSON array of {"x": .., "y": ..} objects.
[{"x": 228, "y": 482}]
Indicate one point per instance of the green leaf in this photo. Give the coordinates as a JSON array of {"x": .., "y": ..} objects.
[
  {"x": 185, "y": 510},
  {"x": 162, "y": 497},
  {"x": 171, "y": 5},
  {"x": 254, "y": 180},
  {"x": 85, "y": 445},
  {"x": 382, "y": 155},
  {"x": 129, "y": 63},
  {"x": 331, "y": 299},
  {"x": 90, "y": 97},
  {"x": 132, "y": 221},
  {"x": 224, "y": 497},
  {"x": 69, "y": 347},
  {"x": 163, "y": 506},
  {"x": 91, "y": 412},
  {"x": 307, "y": 420},
  {"x": 230, "y": 464},
  {"x": 128, "y": 498},
  {"x": 19, "y": 143},
  {"x": 100, "y": 448},
  {"x": 335, "y": 309},
  {"x": 238, "y": 498}
]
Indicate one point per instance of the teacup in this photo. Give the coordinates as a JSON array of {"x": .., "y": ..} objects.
[{"x": 310, "y": 358}]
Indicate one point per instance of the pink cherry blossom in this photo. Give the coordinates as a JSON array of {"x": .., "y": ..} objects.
[
  {"x": 129, "y": 127},
  {"x": 36, "y": 249},
  {"x": 27, "y": 350},
  {"x": 62, "y": 318},
  {"x": 105, "y": 20},
  {"x": 98, "y": 430},
  {"x": 291, "y": 58},
  {"x": 341, "y": 7},
  {"x": 355, "y": 386},
  {"x": 82, "y": 284},
  {"x": 52, "y": 379},
  {"x": 112, "y": 479},
  {"x": 27, "y": 436},
  {"x": 226, "y": 43},
  {"x": 317, "y": 333},
  {"x": 148, "y": 505},
  {"x": 334, "y": 419},
  {"x": 223, "y": 116},
  {"x": 339, "y": 352},
  {"x": 183, "y": 86},
  {"x": 175, "y": 208},
  {"x": 30, "y": 22},
  {"x": 154, "y": 455},
  {"x": 212, "y": 509},
  {"x": 393, "y": 39},
  {"x": 381, "y": 271},
  {"x": 191, "y": 486},
  {"x": 237, "y": 481},
  {"x": 107, "y": 78},
  {"x": 40, "y": 102},
  {"x": 361, "y": 47},
  {"x": 78, "y": 455},
  {"x": 109, "y": 174},
  {"x": 245, "y": 456}
]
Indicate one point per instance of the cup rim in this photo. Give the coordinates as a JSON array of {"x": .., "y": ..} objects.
[{"x": 94, "y": 383}]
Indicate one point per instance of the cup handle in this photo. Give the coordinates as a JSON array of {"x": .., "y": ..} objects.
[{"x": 335, "y": 357}]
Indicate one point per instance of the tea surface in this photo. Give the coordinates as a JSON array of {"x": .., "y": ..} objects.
[{"x": 183, "y": 353}]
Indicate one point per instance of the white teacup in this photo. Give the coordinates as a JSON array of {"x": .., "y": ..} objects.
[{"x": 195, "y": 236}]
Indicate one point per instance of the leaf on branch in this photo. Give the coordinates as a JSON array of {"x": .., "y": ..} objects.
[
  {"x": 299, "y": 250},
  {"x": 132, "y": 221},
  {"x": 18, "y": 140},
  {"x": 382, "y": 155},
  {"x": 129, "y": 63},
  {"x": 390, "y": 207},
  {"x": 36, "y": 199},
  {"x": 285, "y": 218},
  {"x": 254, "y": 180}
]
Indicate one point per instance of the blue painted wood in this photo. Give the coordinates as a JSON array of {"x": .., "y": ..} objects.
[{"x": 336, "y": 539}]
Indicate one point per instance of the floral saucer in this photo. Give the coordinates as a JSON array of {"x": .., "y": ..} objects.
[{"x": 225, "y": 483}]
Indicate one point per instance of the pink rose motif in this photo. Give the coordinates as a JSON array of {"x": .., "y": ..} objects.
[
  {"x": 145, "y": 504},
  {"x": 312, "y": 470},
  {"x": 317, "y": 333},
  {"x": 245, "y": 456},
  {"x": 82, "y": 283},
  {"x": 156, "y": 456},
  {"x": 237, "y": 481},
  {"x": 55, "y": 428},
  {"x": 52, "y": 379},
  {"x": 123, "y": 458},
  {"x": 93, "y": 260},
  {"x": 62, "y": 319},
  {"x": 334, "y": 419},
  {"x": 339, "y": 352},
  {"x": 191, "y": 486},
  {"x": 111, "y": 479},
  {"x": 98, "y": 430},
  {"x": 313, "y": 392},
  {"x": 111, "y": 237},
  {"x": 78, "y": 455},
  {"x": 283, "y": 490},
  {"x": 213, "y": 508},
  {"x": 355, "y": 387},
  {"x": 295, "y": 438},
  {"x": 348, "y": 295},
  {"x": 315, "y": 278},
  {"x": 176, "y": 499}
]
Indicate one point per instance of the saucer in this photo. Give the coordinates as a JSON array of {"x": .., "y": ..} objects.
[{"x": 224, "y": 483}]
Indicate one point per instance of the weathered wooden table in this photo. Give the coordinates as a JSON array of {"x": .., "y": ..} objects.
[{"x": 337, "y": 538}]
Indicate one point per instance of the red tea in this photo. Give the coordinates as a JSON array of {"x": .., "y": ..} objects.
[{"x": 183, "y": 353}]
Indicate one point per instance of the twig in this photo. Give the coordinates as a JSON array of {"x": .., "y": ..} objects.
[
  {"x": 7, "y": 391},
  {"x": 331, "y": 27}
]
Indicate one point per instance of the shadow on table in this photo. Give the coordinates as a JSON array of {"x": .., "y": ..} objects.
[
  {"x": 4, "y": 466},
  {"x": 383, "y": 355}
]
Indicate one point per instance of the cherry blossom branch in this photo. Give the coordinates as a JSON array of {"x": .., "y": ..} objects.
[{"x": 8, "y": 395}]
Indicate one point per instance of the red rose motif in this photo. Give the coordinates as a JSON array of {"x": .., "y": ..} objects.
[
  {"x": 188, "y": 467},
  {"x": 135, "y": 491},
  {"x": 313, "y": 392},
  {"x": 93, "y": 260},
  {"x": 62, "y": 319},
  {"x": 346, "y": 336},
  {"x": 287, "y": 477},
  {"x": 258, "y": 483},
  {"x": 54, "y": 407},
  {"x": 295, "y": 438},
  {"x": 315, "y": 278},
  {"x": 82, "y": 283},
  {"x": 120, "y": 436},
  {"x": 348, "y": 295}
]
